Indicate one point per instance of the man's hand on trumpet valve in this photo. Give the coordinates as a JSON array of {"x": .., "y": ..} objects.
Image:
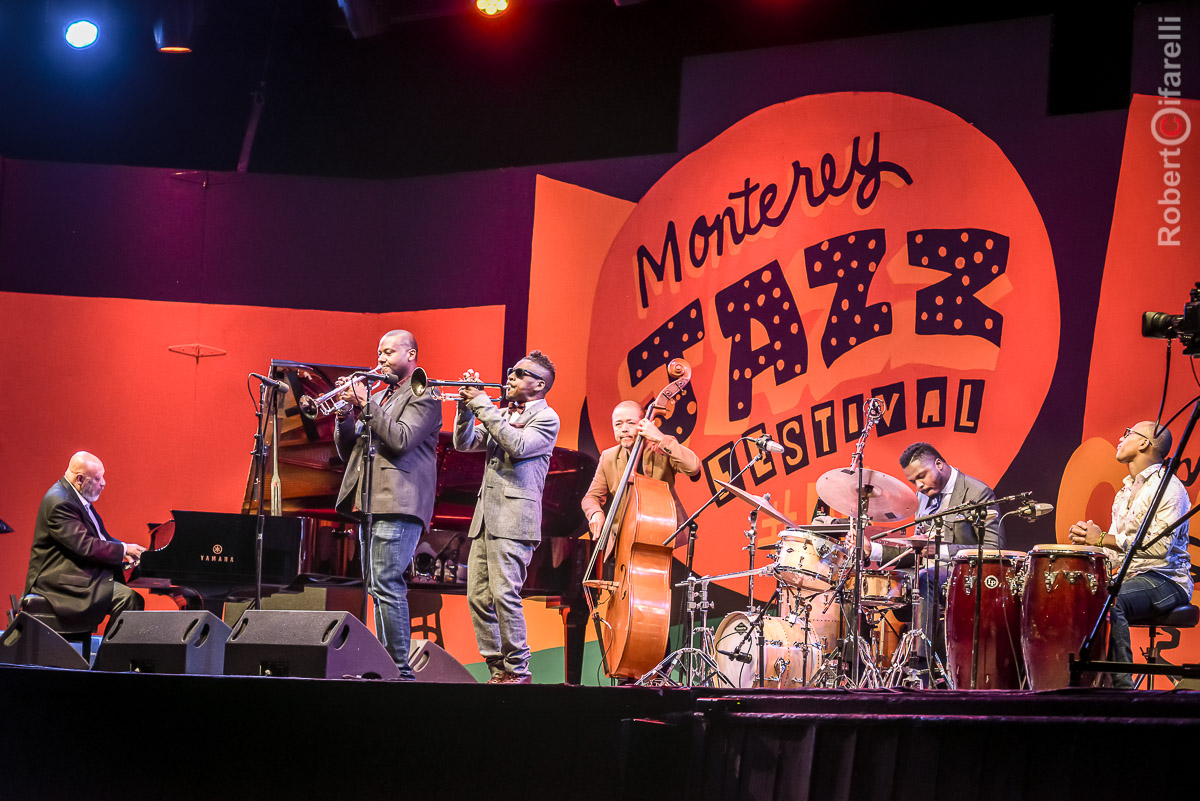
[
  {"x": 354, "y": 393},
  {"x": 466, "y": 393}
]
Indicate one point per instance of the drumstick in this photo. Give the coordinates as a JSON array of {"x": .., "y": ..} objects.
[{"x": 894, "y": 561}]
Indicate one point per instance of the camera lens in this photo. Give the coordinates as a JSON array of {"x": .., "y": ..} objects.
[{"x": 1160, "y": 325}]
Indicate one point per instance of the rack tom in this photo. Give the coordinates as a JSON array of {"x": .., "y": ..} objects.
[
  {"x": 808, "y": 560},
  {"x": 1064, "y": 587},
  {"x": 1000, "y": 663}
]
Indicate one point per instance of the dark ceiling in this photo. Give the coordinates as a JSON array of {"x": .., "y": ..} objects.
[{"x": 549, "y": 82}]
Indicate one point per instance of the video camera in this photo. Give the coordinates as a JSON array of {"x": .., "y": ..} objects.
[{"x": 1184, "y": 327}]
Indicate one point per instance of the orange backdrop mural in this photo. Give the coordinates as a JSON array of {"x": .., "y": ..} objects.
[{"x": 818, "y": 253}]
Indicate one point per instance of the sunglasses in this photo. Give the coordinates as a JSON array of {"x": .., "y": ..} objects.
[{"x": 521, "y": 373}]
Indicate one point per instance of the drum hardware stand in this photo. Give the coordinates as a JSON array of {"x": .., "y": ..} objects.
[
  {"x": 690, "y": 660},
  {"x": 914, "y": 636},
  {"x": 1083, "y": 663},
  {"x": 872, "y": 414}
]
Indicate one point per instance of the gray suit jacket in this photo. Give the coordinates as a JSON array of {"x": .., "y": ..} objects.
[
  {"x": 404, "y": 479},
  {"x": 960, "y": 535},
  {"x": 518, "y": 457},
  {"x": 70, "y": 563}
]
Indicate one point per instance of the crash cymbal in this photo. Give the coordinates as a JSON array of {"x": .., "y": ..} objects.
[
  {"x": 759, "y": 503},
  {"x": 888, "y": 499},
  {"x": 913, "y": 541}
]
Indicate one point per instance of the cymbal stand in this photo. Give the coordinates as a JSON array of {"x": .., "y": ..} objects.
[
  {"x": 756, "y": 623},
  {"x": 696, "y": 664},
  {"x": 861, "y": 649},
  {"x": 872, "y": 414},
  {"x": 751, "y": 547},
  {"x": 916, "y": 635}
]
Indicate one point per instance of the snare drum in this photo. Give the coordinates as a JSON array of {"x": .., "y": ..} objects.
[
  {"x": 784, "y": 652},
  {"x": 1064, "y": 587},
  {"x": 1000, "y": 663},
  {"x": 808, "y": 560},
  {"x": 883, "y": 589}
]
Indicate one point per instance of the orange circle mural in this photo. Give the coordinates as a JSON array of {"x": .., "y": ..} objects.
[{"x": 816, "y": 254}]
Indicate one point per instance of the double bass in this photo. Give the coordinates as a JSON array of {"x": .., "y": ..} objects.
[{"x": 632, "y": 613}]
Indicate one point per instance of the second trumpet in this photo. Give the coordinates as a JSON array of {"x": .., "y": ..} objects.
[{"x": 421, "y": 383}]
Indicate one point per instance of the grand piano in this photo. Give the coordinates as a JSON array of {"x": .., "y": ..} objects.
[{"x": 209, "y": 558}]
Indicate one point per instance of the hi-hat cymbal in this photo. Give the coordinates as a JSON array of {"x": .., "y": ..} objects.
[
  {"x": 759, "y": 503},
  {"x": 888, "y": 499}
]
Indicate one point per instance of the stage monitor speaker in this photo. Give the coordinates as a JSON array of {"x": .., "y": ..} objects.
[
  {"x": 29, "y": 641},
  {"x": 315, "y": 645},
  {"x": 191, "y": 641},
  {"x": 430, "y": 662}
]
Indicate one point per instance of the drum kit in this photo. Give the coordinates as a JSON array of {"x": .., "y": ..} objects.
[{"x": 1010, "y": 617}]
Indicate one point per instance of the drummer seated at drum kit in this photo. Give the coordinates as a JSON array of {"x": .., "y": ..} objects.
[{"x": 940, "y": 486}]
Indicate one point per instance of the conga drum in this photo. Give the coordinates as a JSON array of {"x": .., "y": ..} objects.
[
  {"x": 1063, "y": 590},
  {"x": 1000, "y": 665}
]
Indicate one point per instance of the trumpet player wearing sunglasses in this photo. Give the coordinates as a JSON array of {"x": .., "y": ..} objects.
[
  {"x": 404, "y": 432},
  {"x": 507, "y": 525}
]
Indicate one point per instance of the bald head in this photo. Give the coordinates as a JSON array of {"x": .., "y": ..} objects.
[
  {"x": 86, "y": 474},
  {"x": 1160, "y": 445},
  {"x": 398, "y": 353}
]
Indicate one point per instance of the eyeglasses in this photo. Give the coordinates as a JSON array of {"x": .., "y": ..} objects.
[
  {"x": 1129, "y": 431},
  {"x": 521, "y": 372}
]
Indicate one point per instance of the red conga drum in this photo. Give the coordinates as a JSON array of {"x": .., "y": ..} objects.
[
  {"x": 1063, "y": 590},
  {"x": 999, "y": 619}
]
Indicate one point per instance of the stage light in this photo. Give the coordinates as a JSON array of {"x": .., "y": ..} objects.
[
  {"x": 173, "y": 26},
  {"x": 81, "y": 33},
  {"x": 491, "y": 8}
]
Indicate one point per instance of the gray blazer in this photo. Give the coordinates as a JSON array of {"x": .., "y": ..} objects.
[
  {"x": 960, "y": 535},
  {"x": 404, "y": 479},
  {"x": 70, "y": 563},
  {"x": 518, "y": 457}
]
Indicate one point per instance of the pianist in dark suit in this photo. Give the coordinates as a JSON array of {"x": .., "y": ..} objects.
[
  {"x": 74, "y": 563},
  {"x": 507, "y": 524},
  {"x": 404, "y": 477}
]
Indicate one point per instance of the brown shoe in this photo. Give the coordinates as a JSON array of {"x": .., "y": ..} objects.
[
  {"x": 500, "y": 678},
  {"x": 517, "y": 678}
]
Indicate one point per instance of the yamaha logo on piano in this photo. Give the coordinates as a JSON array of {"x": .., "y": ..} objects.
[{"x": 216, "y": 555}]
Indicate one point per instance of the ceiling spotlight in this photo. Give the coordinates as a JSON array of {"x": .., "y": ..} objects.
[
  {"x": 491, "y": 8},
  {"x": 81, "y": 33},
  {"x": 173, "y": 26}
]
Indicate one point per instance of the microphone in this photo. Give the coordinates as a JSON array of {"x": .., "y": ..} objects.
[
  {"x": 765, "y": 443},
  {"x": 280, "y": 386},
  {"x": 1032, "y": 511},
  {"x": 874, "y": 408},
  {"x": 736, "y": 656},
  {"x": 387, "y": 378}
]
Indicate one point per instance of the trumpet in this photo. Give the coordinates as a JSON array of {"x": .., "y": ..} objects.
[
  {"x": 329, "y": 403},
  {"x": 421, "y": 383}
]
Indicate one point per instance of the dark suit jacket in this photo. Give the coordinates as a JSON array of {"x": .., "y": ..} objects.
[
  {"x": 960, "y": 535},
  {"x": 405, "y": 432},
  {"x": 70, "y": 564},
  {"x": 518, "y": 457}
]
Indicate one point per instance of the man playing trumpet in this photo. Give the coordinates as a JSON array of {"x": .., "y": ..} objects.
[
  {"x": 507, "y": 525},
  {"x": 404, "y": 429}
]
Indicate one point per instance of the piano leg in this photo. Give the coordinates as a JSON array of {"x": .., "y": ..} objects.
[{"x": 575, "y": 618}]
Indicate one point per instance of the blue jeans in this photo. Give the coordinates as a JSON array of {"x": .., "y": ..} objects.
[
  {"x": 393, "y": 541},
  {"x": 1142, "y": 598}
]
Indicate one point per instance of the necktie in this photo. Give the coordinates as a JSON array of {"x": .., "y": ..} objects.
[
  {"x": 935, "y": 503},
  {"x": 95, "y": 521}
]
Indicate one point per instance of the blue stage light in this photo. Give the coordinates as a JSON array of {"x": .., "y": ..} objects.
[{"x": 81, "y": 33}]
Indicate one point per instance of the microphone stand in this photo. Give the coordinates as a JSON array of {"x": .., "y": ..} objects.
[
  {"x": 872, "y": 414},
  {"x": 366, "y": 485},
  {"x": 266, "y": 405},
  {"x": 761, "y": 455}
]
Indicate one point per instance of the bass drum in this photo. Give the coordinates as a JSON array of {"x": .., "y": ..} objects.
[{"x": 789, "y": 661}]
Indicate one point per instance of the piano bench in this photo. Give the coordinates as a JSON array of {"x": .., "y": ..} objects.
[{"x": 38, "y": 607}]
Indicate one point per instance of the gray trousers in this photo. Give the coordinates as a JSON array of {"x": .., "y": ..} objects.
[{"x": 496, "y": 569}]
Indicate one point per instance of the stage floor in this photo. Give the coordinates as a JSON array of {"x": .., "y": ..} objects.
[{"x": 80, "y": 734}]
